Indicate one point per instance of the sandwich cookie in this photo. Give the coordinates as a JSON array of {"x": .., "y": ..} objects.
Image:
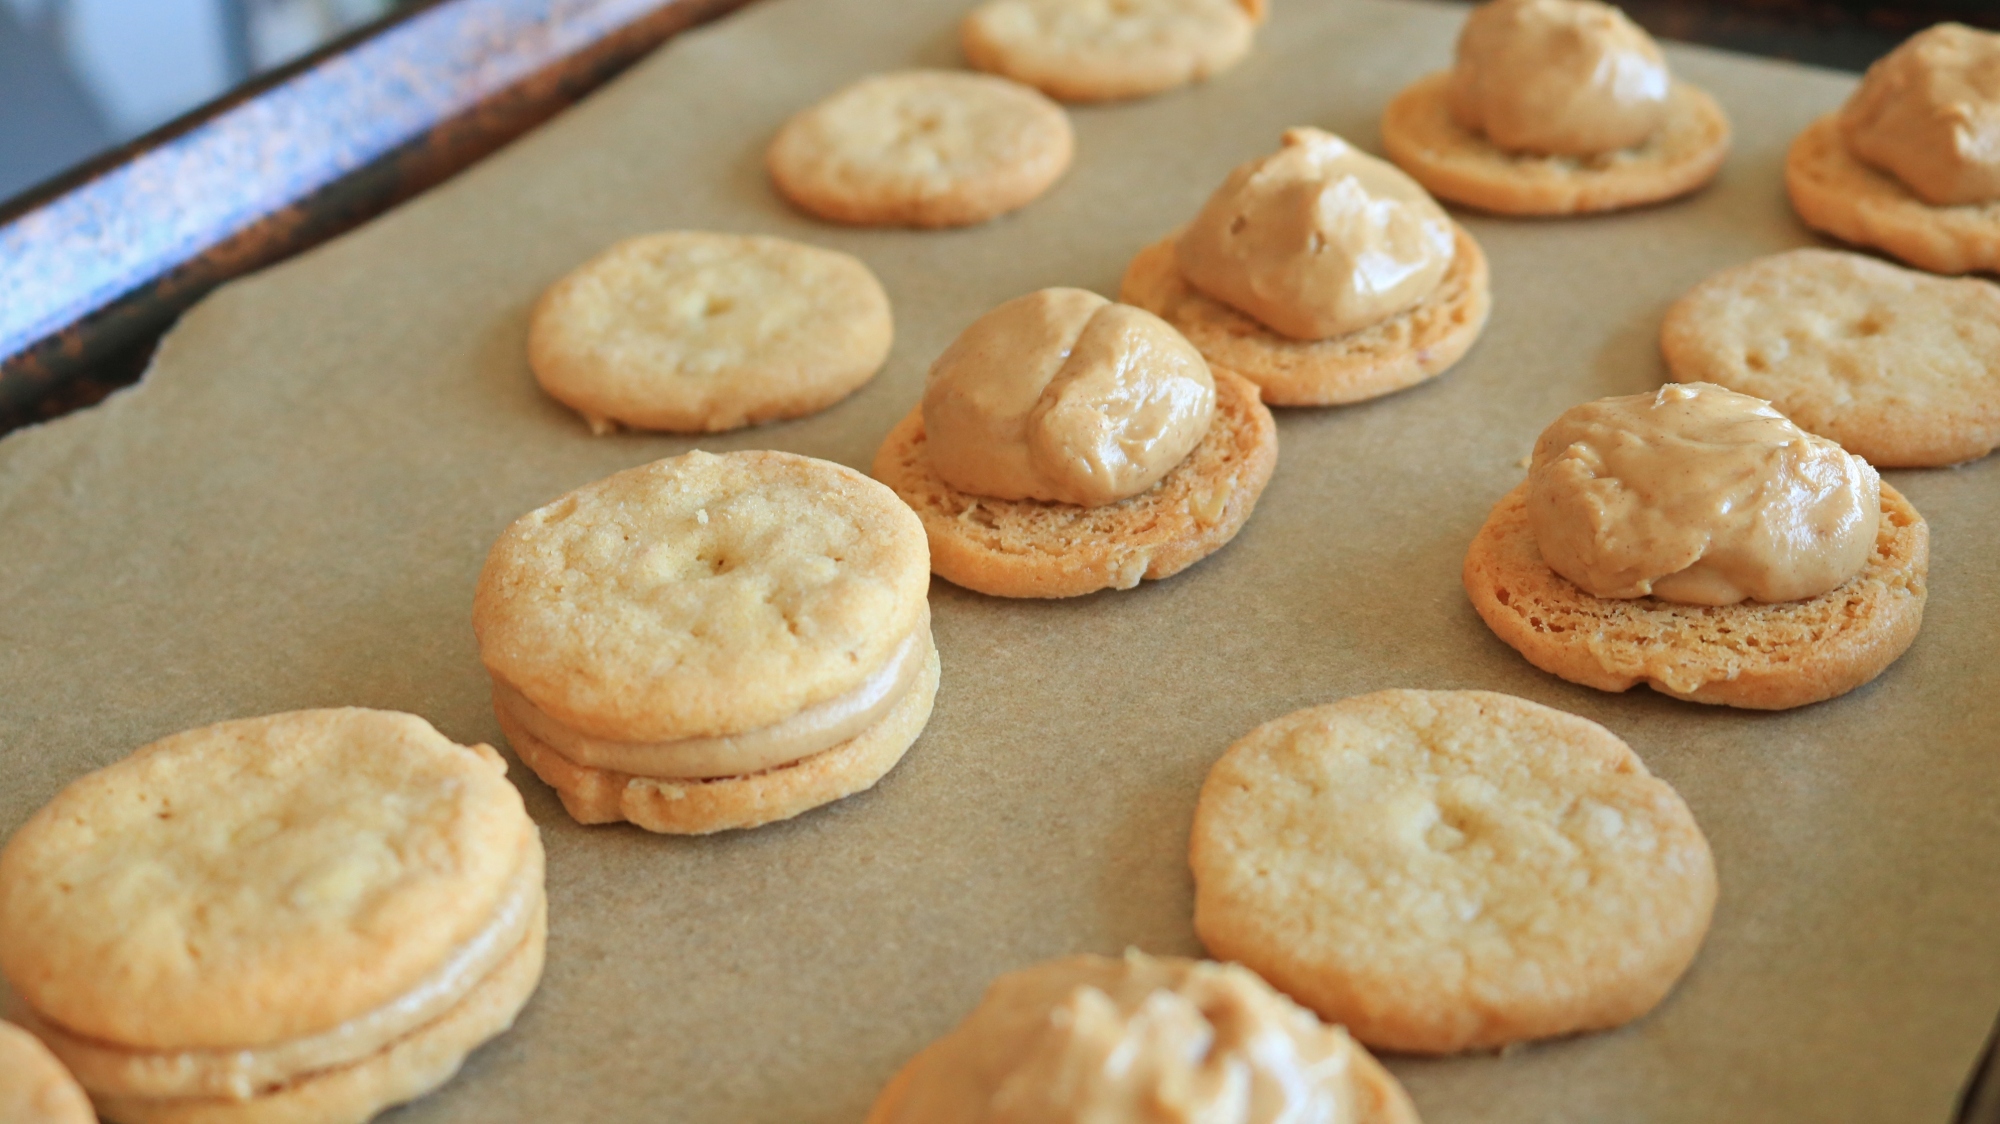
[
  {"x": 695, "y": 333},
  {"x": 1137, "y": 1039},
  {"x": 923, "y": 148},
  {"x": 1555, "y": 107},
  {"x": 307, "y": 917},
  {"x": 1450, "y": 870},
  {"x": 1321, "y": 274},
  {"x": 34, "y": 1086},
  {"x": 710, "y": 642},
  {"x": 1697, "y": 541},
  {"x": 1066, "y": 444},
  {"x": 1087, "y": 50}
]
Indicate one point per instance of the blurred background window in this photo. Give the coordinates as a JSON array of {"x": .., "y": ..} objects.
[{"x": 80, "y": 76}]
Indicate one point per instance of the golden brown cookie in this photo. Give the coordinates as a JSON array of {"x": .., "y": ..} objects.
[
  {"x": 341, "y": 905},
  {"x": 1027, "y": 548},
  {"x": 1420, "y": 135},
  {"x": 694, "y": 332},
  {"x": 34, "y": 1086},
  {"x": 1085, "y": 52},
  {"x": 1898, "y": 366},
  {"x": 1757, "y": 656},
  {"x": 1834, "y": 192},
  {"x": 922, "y": 148},
  {"x": 1399, "y": 352},
  {"x": 1449, "y": 870}
]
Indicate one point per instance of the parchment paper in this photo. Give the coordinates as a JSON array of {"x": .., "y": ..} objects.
[{"x": 292, "y": 509}]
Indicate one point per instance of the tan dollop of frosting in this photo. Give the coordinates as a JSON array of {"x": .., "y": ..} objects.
[
  {"x": 1557, "y": 78},
  {"x": 1097, "y": 1040},
  {"x": 1699, "y": 495},
  {"x": 1928, "y": 113},
  {"x": 1062, "y": 395},
  {"x": 1318, "y": 239}
]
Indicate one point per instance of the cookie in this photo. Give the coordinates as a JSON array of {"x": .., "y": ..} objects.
[
  {"x": 1757, "y": 656},
  {"x": 696, "y": 333},
  {"x": 709, "y": 642},
  {"x": 1397, "y": 353},
  {"x": 1838, "y": 194},
  {"x": 1449, "y": 870},
  {"x": 1053, "y": 1040},
  {"x": 1420, "y": 135},
  {"x": 924, "y": 148},
  {"x": 1028, "y": 548},
  {"x": 338, "y": 906},
  {"x": 1086, "y": 52},
  {"x": 34, "y": 1086},
  {"x": 1900, "y": 367}
]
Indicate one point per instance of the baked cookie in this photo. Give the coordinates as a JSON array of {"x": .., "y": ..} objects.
[
  {"x": 1449, "y": 870},
  {"x": 922, "y": 148},
  {"x": 1399, "y": 352},
  {"x": 1454, "y": 163},
  {"x": 34, "y": 1086},
  {"x": 1836, "y": 193},
  {"x": 1898, "y": 366},
  {"x": 710, "y": 642},
  {"x": 1053, "y": 1041},
  {"x": 338, "y": 906},
  {"x": 1752, "y": 655},
  {"x": 1085, "y": 51},
  {"x": 1030, "y": 548},
  {"x": 696, "y": 333}
]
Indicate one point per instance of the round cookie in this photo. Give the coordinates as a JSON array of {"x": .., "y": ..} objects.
[
  {"x": 1383, "y": 358},
  {"x": 694, "y": 332},
  {"x": 1085, "y": 52},
  {"x": 1420, "y": 135},
  {"x": 1900, "y": 367},
  {"x": 1027, "y": 548},
  {"x": 1756, "y": 656},
  {"x": 1449, "y": 870},
  {"x": 924, "y": 148},
  {"x": 1836, "y": 193},
  {"x": 34, "y": 1086}
]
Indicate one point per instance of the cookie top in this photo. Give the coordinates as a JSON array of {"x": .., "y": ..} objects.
[
  {"x": 1449, "y": 870},
  {"x": 1099, "y": 52},
  {"x": 1898, "y": 366},
  {"x": 696, "y": 332},
  {"x": 34, "y": 1086},
  {"x": 257, "y": 880},
  {"x": 922, "y": 148},
  {"x": 701, "y": 595}
]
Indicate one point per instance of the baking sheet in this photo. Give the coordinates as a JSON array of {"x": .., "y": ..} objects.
[{"x": 292, "y": 509}]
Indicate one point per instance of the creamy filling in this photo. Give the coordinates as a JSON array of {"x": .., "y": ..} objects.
[
  {"x": 240, "y": 1074},
  {"x": 1557, "y": 78},
  {"x": 1928, "y": 113},
  {"x": 812, "y": 730}
]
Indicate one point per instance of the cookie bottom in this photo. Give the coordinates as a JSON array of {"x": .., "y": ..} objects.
[
  {"x": 1838, "y": 194},
  {"x": 699, "y": 807},
  {"x": 1198, "y": 42},
  {"x": 1750, "y": 655},
  {"x": 1399, "y": 352},
  {"x": 407, "y": 1069},
  {"x": 1028, "y": 548},
  {"x": 1421, "y": 137}
]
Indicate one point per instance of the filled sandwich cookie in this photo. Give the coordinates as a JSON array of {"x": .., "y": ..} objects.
[
  {"x": 710, "y": 642},
  {"x": 1066, "y": 444},
  {"x": 307, "y": 917},
  {"x": 1695, "y": 540},
  {"x": 1555, "y": 107},
  {"x": 1319, "y": 273}
]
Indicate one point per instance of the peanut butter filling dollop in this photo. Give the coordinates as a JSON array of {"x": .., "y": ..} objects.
[
  {"x": 1557, "y": 78},
  {"x": 1928, "y": 113},
  {"x": 1699, "y": 495},
  {"x": 1062, "y": 395},
  {"x": 1096, "y": 1040},
  {"x": 1317, "y": 240}
]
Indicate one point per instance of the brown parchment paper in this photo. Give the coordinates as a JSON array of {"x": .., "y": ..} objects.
[{"x": 291, "y": 511}]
